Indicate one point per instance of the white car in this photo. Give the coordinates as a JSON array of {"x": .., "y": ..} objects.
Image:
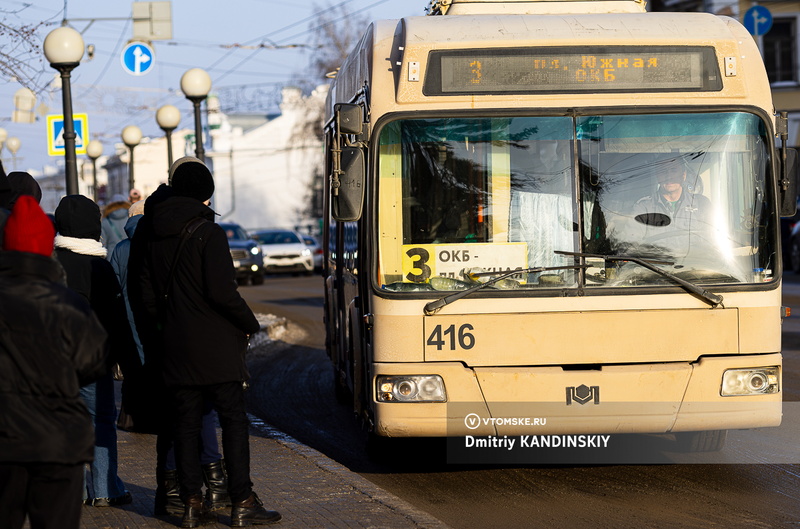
[{"x": 284, "y": 251}]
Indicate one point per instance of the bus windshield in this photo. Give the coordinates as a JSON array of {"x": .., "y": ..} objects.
[{"x": 463, "y": 198}]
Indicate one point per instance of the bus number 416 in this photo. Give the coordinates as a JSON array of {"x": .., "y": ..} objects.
[{"x": 440, "y": 338}]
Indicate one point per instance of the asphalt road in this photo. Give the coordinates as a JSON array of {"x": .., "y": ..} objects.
[{"x": 293, "y": 390}]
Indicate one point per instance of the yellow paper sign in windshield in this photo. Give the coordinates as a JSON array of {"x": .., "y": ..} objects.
[{"x": 423, "y": 261}]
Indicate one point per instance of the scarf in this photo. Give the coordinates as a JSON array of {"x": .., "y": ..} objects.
[{"x": 81, "y": 246}]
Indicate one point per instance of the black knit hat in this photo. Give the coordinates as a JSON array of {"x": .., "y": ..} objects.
[
  {"x": 79, "y": 217},
  {"x": 24, "y": 184},
  {"x": 189, "y": 177}
]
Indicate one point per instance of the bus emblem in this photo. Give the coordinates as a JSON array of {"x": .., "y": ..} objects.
[{"x": 583, "y": 394}]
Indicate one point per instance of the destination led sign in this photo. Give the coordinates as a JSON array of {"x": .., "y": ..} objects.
[{"x": 572, "y": 69}]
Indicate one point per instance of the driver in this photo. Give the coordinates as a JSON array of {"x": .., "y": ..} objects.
[{"x": 667, "y": 217}]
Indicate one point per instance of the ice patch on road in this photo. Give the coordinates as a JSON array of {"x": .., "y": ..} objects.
[{"x": 272, "y": 329}]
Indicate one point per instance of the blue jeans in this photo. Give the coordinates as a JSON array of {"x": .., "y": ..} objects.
[{"x": 102, "y": 481}]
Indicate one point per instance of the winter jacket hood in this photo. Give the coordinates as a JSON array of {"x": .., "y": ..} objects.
[
  {"x": 161, "y": 193},
  {"x": 79, "y": 217},
  {"x": 171, "y": 215},
  {"x": 130, "y": 225},
  {"x": 113, "y": 225},
  {"x": 117, "y": 210}
]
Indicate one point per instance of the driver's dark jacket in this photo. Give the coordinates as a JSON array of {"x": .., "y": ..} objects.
[
  {"x": 691, "y": 213},
  {"x": 51, "y": 344}
]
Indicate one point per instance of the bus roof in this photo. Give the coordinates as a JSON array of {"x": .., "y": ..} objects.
[
  {"x": 406, "y": 45},
  {"x": 560, "y": 30}
]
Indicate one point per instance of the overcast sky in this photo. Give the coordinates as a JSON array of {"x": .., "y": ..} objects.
[{"x": 203, "y": 32}]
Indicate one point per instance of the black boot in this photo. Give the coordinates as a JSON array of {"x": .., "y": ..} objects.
[
  {"x": 252, "y": 512},
  {"x": 168, "y": 497},
  {"x": 216, "y": 480},
  {"x": 196, "y": 513}
]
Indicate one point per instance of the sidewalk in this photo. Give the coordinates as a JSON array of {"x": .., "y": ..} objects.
[{"x": 306, "y": 487}]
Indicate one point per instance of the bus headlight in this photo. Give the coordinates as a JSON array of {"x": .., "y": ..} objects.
[
  {"x": 753, "y": 381},
  {"x": 411, "y": 388}
]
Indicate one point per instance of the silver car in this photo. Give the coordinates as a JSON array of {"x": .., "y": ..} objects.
[
  {"x": 316, "y": 251},
  {"x": 284, "y": 251}
]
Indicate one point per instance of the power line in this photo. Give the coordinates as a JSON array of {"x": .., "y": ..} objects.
[
  {"x": 311, "y": 17},
  {"x": 111, "y": 58}
]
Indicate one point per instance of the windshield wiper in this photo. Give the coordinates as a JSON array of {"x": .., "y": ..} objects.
[
  {"x": 434, "y": 306},
  {"x": 709, "y": 297}
]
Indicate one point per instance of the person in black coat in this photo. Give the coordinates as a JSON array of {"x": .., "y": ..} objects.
[
  {"x": 80, "y": 252},
  {"x": 51, "y": 343},
  {"x": 146, "y": 398},
  {"x": 188, "y": 286}
]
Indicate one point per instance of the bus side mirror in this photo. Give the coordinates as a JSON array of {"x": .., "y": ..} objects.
[
  {"x": 349, "y": 118},
  {"x": 787, "y": 184},
  {"x": 349, "y": 201}
]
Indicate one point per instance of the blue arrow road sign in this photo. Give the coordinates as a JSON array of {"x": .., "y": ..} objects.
[
  {"x": 758, "y": 20},
  {"x": 137, "y": 58}
]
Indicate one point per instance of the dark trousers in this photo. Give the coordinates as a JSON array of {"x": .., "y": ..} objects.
[
  {"x": 50, "y": 495},
  {"x": 209, "y": 448},
  {"x": 228, "y": 400}
]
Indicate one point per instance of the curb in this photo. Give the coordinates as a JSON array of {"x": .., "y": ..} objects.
[
  {"x": 272, "y": 329},
  {"x": 359, "y": 484}
]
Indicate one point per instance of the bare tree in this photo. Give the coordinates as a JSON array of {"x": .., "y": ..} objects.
[
  {"x": 336, "y": 31},
  {"x": 20, "y": 55}
]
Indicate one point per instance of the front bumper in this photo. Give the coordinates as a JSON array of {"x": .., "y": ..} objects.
[
  {"x": 642, "y": 398},
  {"x": 245, "y": 263},
  {"x": 288, "y": 264}
]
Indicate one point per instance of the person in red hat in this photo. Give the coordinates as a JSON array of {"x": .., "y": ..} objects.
[{"x": 51, "y": 344}]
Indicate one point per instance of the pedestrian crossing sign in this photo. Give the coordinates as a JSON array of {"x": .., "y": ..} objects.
[{"x": 55, "y": 134}]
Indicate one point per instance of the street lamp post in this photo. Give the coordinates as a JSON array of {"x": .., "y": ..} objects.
[
  {"x": 63, "y": 48},
  {"x": 12, "y": 144},
  {"x": 168, "y": 117},
  {"x": 94, "y": 149},
  {"x": 195, "y": 85},
  {"x": 131, "y": 136}
]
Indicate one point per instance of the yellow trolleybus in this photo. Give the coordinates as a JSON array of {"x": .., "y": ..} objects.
[{"x": 562, "y": 210}]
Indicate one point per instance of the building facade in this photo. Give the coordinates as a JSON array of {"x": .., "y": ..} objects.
[
  {"x": 778, "y": 45},
  {"x": 267, "y": 168},
  {"x": 270, "y": 175}
]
